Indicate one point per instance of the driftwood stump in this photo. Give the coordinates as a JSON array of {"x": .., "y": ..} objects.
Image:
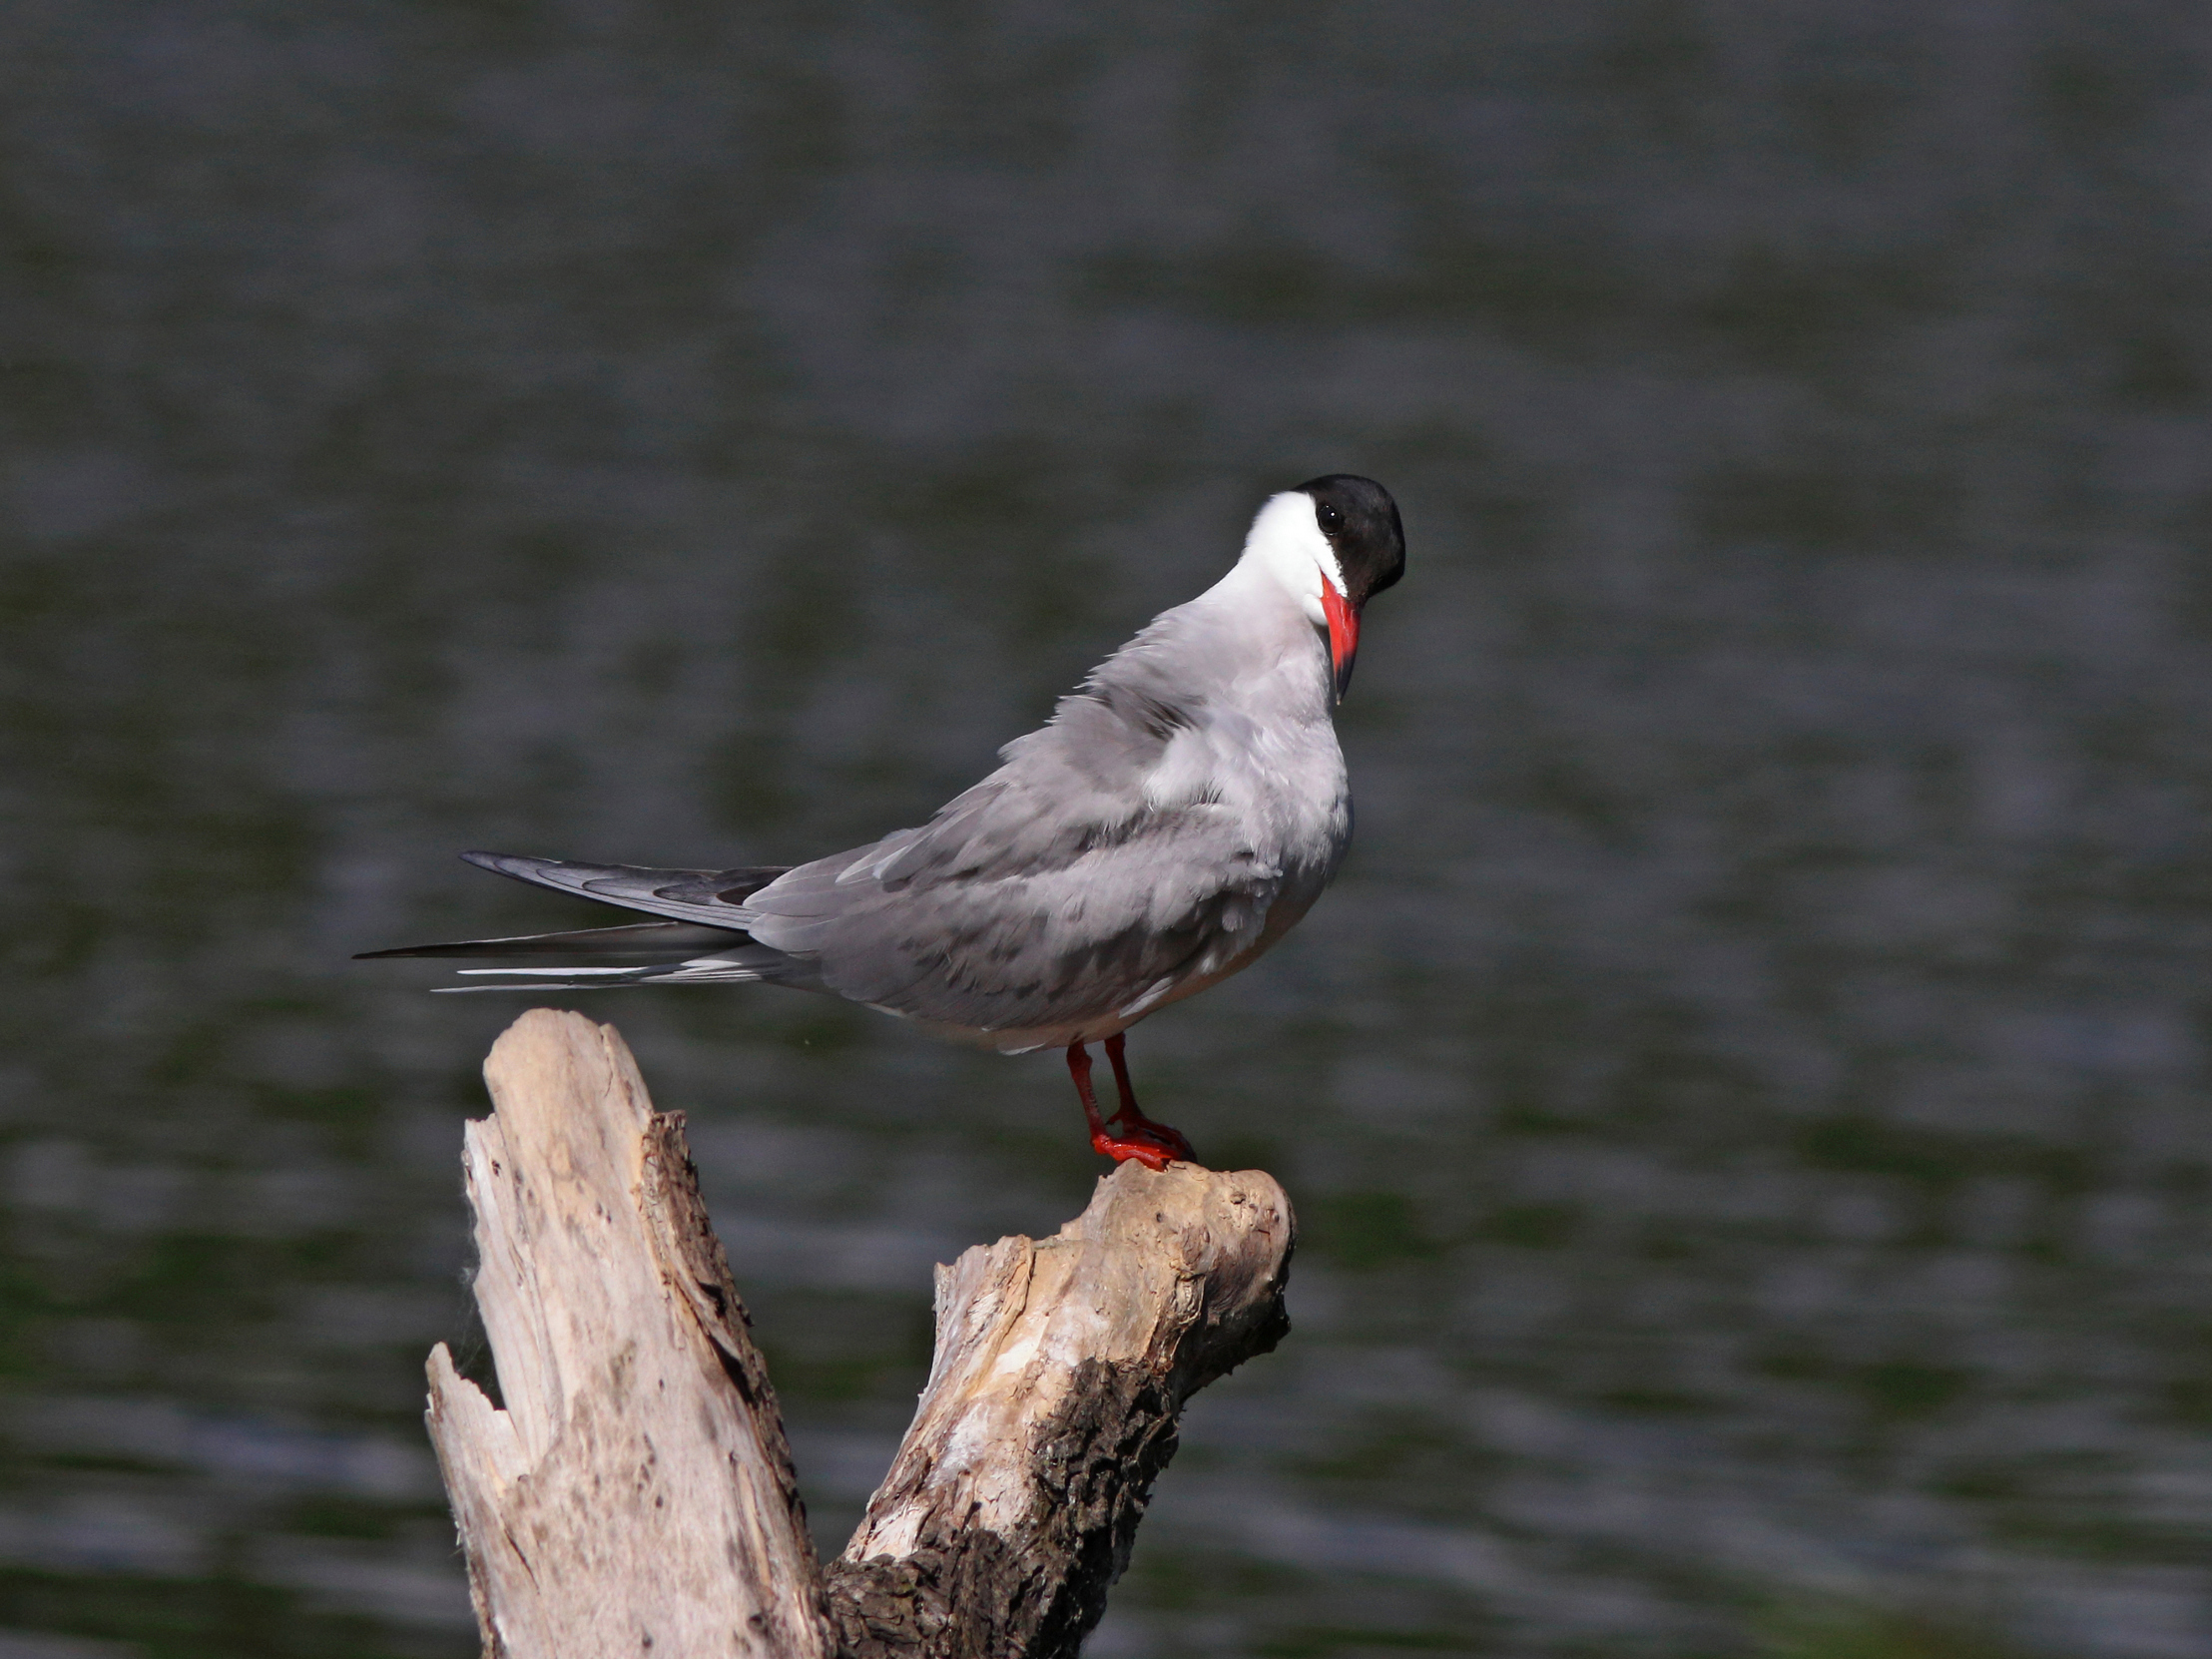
[{"x": 635, "y": 1496}]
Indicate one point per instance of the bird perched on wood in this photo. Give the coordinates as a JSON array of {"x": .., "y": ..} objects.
[{"x": 1181, "y": 809}]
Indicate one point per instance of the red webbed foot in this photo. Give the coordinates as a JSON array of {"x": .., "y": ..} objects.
[
  {"x": 1132, "y": 1134},
  {"x": 1153, "y": 1145},
  {"x": 1137, "y": 1130}
]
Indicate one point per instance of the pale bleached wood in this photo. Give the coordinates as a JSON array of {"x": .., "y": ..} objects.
[
  {"x": 635, "y": 1496},
  {"x": 1061, "y": 1367}
]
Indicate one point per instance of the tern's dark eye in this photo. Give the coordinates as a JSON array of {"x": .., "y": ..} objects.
[{"x": 1331, "y": 519}]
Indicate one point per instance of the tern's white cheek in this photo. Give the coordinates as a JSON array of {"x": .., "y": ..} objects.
[{"x": 1287, "y": 544}]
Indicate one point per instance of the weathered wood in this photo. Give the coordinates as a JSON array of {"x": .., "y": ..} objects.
[
  {"x": 1060, "y": 1369},
  {"x": 635, "y": 1496}
]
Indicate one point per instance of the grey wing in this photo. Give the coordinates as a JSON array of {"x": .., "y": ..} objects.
[
  {"x": 1053, "y": 892},
  {"x": 713, "y": 896},
  {"x": 671, "y": 951}
]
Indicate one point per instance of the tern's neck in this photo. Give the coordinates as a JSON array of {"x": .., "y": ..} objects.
[
  {"x": 1286, "y": 552},
  {"x": 1245, "y": 638},
  {"x": 1256, "y": 638}
]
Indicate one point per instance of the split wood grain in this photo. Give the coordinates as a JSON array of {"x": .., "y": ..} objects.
[{"x": 635, "y": 1496}]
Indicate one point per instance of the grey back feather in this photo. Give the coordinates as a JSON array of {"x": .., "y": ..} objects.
[{"x": 1067, "y": 887}]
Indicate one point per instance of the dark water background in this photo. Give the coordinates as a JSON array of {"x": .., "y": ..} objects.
[{"x": 1746, "y": 1095}]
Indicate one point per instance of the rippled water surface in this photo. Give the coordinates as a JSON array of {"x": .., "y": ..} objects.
[{"x": 1745, "y": 1096}]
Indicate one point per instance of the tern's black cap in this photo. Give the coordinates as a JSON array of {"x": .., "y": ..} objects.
[{"x": 1360, "y": 521}]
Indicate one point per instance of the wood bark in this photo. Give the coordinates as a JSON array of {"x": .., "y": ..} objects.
[
  {"x": 1061, "y": 1368},
  {"x": 634, "y": 1494}
]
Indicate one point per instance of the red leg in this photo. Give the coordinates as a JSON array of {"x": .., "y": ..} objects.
[
  {"x": 1140, "y": 1141},
  {"x": 1134, "y": 1123}
]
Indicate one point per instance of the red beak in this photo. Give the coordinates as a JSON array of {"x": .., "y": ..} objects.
[{"x": 1344, "y": 634}]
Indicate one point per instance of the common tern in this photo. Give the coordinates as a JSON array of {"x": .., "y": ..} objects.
[{"x": 1181, "y": 809}]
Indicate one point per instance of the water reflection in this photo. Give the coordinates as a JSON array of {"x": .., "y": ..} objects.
[{"x": 1744, "y": 1099}]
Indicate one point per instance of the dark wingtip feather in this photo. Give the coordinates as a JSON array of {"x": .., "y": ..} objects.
[
  {"x": 474, "y": 947},
  {"x": 636, "y": 942}
]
